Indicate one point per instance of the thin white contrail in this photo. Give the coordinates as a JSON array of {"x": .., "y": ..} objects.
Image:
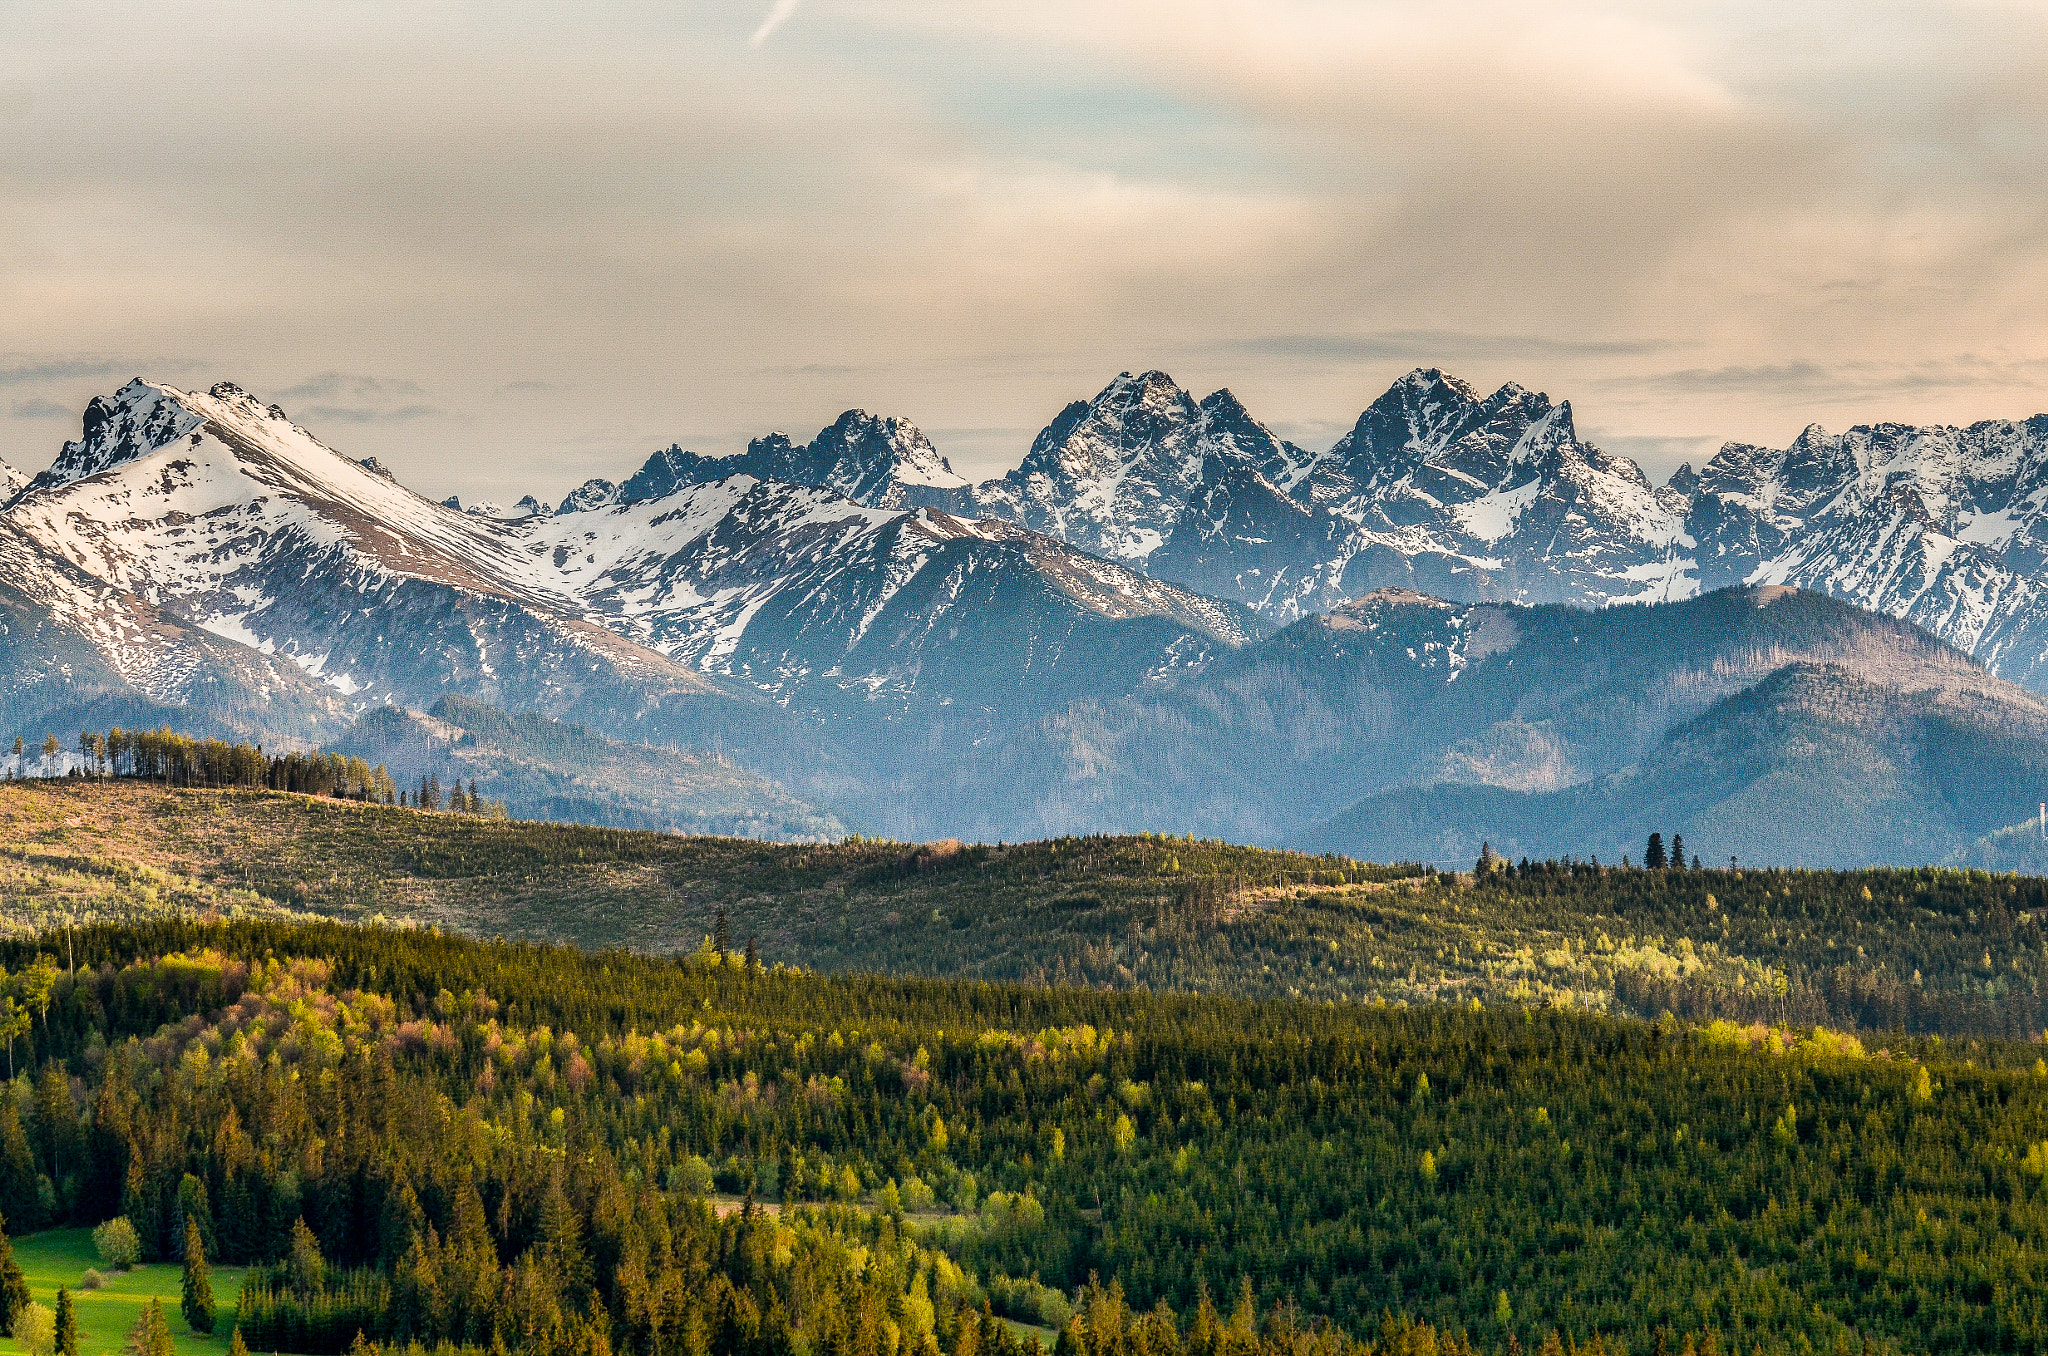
[{"x": 778, "y": 15}]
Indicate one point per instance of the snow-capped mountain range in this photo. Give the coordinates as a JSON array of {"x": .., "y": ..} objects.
[
  {"x": 853, "y": 617},
  {"x": 1490, "y": 498},
  {"x": 691, "y": 612}
]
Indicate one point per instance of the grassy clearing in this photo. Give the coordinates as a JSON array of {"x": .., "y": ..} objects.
[
  {"x": 61, "y": 1257},
  {"x": 1046, "y": 1337}
]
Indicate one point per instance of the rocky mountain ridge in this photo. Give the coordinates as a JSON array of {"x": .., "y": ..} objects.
[
  {"x": 784, "y": 621},
  {"x": 1494, "y": 497},
  {"x": 941, "y": 668}
]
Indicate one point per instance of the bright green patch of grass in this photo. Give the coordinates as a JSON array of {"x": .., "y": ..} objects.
[
  {"x": 61, "y": 1257},
  {"x": 1045, "y": 1337}
]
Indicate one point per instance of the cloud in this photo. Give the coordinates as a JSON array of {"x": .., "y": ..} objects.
[
  {"x": 359, "y": 414},
  {"x": 42, "y": 409},
  {"x": 50, "y": 370},
  {"x": 1834, "y": 380},
  {"x": 778, "y": 15},
  {"x": 328, "y": 385},
  {"x": 1731, "y": 217},
  {"x": 1433, "y": 347}
]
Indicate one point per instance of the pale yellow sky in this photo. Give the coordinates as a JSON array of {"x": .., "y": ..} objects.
[{"x": 509, "y": 246}]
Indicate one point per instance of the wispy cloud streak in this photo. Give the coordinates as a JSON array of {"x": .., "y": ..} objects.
[{"x": 778, "y": 15}]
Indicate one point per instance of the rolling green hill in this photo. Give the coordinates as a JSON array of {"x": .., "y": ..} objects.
[{"x": 1944, "y": 951}]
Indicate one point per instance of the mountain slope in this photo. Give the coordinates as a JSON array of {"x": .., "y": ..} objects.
[
  {"x": 1814, "y": 766},
  {"x": 1496, "y": 498},
  {"x": 1947, "y": 527},
  {"x": 1400, "y": 689},
  {"x": 1113, "y": 475},
  {"x": 789, "y": 626},
  {"x": 76, "y": 654},
  {"x": 226, "y": 514},
  {"x": 1435, "y": 488},
  {"x": 543, "y": 769}
]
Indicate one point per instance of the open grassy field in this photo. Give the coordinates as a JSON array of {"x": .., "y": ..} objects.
[{"x": 61, "y": 1257}]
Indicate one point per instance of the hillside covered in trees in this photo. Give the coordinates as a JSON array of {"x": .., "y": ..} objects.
[
  {"x": 432, "y": 1139},
  {"x": 1930, "y": 951}
]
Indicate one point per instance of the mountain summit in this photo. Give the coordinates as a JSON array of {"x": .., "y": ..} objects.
[{"x": 879, "y": 462}]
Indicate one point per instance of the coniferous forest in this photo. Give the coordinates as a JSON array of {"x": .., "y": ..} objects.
[
  {"x": 1151, "y": 1095},
  {"x": 437, "y": 1140}
]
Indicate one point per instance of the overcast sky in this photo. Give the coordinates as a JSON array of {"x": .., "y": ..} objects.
[{"x": 506, "y": 246}]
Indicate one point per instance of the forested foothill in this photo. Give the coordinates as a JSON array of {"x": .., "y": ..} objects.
[
  {"x": 1131, "y": 1096},
  {"x": 1932, "y": 951},
  {"x": 431, "y": 1139}
]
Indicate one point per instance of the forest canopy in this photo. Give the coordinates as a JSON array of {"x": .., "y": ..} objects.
[{"x": 433, "y": 1139}]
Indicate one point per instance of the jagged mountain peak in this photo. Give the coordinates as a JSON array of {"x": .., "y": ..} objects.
[
  {"x": 1222, "y": 403},
  {"x": 135, "y": 421},
  {"x": 864, "y": 456},
  {"x": 594, "y": 493},
  {"x": 881, "y": 461},
  {"x": 145, "y": 418}
]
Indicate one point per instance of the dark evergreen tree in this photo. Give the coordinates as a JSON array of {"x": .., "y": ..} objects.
[
  {"x": 14, "y": 1296},
  {"x": 67, "y": 1323},
  {"x": 1678, "y": 852},
  {"x": 19, "y": 1199},
  {"x": 142, "y": 1203},
  {"x": 198, "y": 1281},
  {"x": 1653, "y": 855},
  {"x": 721, "y": 932}
]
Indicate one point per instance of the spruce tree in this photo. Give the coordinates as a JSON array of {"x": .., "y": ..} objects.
[
  {"x": 198, "y": 1301},
  {"x": 67, "y": 1323},
  {"x": 14, "y": 1296},
  {"x": 1653, "y": 855},
  {"x": 1678, "y": 852},
  {"x": 153, "y": 1335},
  {"x": 236, "y": 1346}
]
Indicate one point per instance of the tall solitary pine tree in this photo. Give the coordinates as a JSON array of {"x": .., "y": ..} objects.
[
  {"x": 67, "y": 1323},
  {"x": 198, "y": 1300}
]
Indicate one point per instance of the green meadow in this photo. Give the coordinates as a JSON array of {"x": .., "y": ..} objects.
[{"x": 62, "y": 1256}]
